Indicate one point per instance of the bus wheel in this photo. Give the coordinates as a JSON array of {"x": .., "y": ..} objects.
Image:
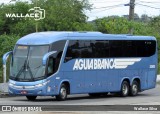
[
  {"x": 31, "y": 98},
  {"x": 134, "y": 88},
  {"x": 62, "y": 93},
  {"x": 124, "y": 89}
]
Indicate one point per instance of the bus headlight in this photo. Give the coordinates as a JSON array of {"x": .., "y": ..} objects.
[
  {"x": 39, "y": 85},
  {"x": 10, "y": 84},
  {"x": 42, "y": 84}
]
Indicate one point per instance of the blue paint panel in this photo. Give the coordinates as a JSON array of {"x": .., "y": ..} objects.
[
  {"x": 77, "y": 81},
  {"x": 108, "y": 80},
  {"x": 102, "y": 81},
  {"x": 91, "y": 82},
  {"x": 151, "y": 78},
  {"x": 144, "y": 79},
  {"x": 113, "y": 80}
]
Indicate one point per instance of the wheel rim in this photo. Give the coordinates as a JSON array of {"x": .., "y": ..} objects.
[
  {"x": 125, "y": 89},
  {"x": 63, "y": 92},
  {"x": 134, "y": 89}
]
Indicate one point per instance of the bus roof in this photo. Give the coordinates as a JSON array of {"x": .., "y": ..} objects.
[{"x": 42, "y": 38}]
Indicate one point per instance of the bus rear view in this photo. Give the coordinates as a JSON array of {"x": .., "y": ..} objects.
[{"x": 63, "y": 63}]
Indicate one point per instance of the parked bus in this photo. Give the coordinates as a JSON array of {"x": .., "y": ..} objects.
[{"x": 63, "y": 63}]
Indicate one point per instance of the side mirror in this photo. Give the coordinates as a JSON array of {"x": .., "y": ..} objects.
[
  {"x": 5, "y": 57},
  {"x": 46, "y": 56}
]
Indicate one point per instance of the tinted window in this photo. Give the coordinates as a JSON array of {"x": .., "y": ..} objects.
[
  {"x": 109, "y": 48},
  {"x": 100, "y": 48},
  {"x": 72, "y": 50},
  {"x": 55, "y": 59},
  {"x": 116, "y": 48},
  {"x": 145, "y": 48},
  {"x": 85, "y": 49},
  {"x": 150, "y": 47},
  {"x": 129, "y": 49},
  {"x": 79, "y": 49}
]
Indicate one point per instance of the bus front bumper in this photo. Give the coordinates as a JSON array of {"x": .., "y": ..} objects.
[
  {"x": 24, "y": 91},
  {"x": 38, "y": 88}
]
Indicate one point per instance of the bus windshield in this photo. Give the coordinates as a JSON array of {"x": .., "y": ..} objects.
[{"x": 26, "y": 64}]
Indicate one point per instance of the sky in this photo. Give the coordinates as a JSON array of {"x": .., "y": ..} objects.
[{"x": 102, "y": 8}]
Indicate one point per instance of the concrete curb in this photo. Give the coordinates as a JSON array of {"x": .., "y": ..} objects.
[
  {"x": 2, "y": 95},
  {"x": 5, "y": 95}
]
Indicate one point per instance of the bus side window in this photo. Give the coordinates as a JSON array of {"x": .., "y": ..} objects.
[
  {"x": 68, "y": 55},
  {"x": 51, "y": 64},
  {"x": 73, "y": 50},
  {"x": 129, "y": 48},
  {"x": 57, "y": 60}
]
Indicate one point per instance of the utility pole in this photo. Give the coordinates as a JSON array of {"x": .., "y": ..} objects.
[
  {"x": 36, "y": 20},
  {"x": 131, "y": 13}
]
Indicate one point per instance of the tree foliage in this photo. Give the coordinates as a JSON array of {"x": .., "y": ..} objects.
[
  {"x": 7, "y": 44},
  {"x": 65, "y": 15},
  {"x": 120, "y": 25},
  {"x": 61, "y": 15}
]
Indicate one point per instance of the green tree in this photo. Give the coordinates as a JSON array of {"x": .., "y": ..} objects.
[
  {"x": 60, "y": 15},
  {"x": 63, "y": 15},
  {"x": 112, "y": 25},
  {"x": 120, "y": 25},
  {"x": 8, "y": 24},
  {"x": 8, "y": 42}
]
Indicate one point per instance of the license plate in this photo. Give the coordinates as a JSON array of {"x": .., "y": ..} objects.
[{"x": 23, "y": 92}]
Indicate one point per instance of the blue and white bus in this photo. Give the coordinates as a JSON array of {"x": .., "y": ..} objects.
[{"x": 63, "y": 63}]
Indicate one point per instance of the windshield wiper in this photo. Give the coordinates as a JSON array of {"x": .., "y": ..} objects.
[
  {"x": 30, "y": 72},
  {"x": 25, "y": 68},
  {"x": 21, "y": 70}
]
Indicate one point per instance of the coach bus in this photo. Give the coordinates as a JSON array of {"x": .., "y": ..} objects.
[{"x": 62, "y": 63}]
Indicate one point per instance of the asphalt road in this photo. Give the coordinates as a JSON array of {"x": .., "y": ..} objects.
[{"x": 148, "y": 97}]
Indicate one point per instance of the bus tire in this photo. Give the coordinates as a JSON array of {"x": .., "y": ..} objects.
[
  {"x": 31, "y": 98},
  {"x": 134, "y": 88},
  {"x": 124, "y": 89},
  {"x": 62, "y": 93}
]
